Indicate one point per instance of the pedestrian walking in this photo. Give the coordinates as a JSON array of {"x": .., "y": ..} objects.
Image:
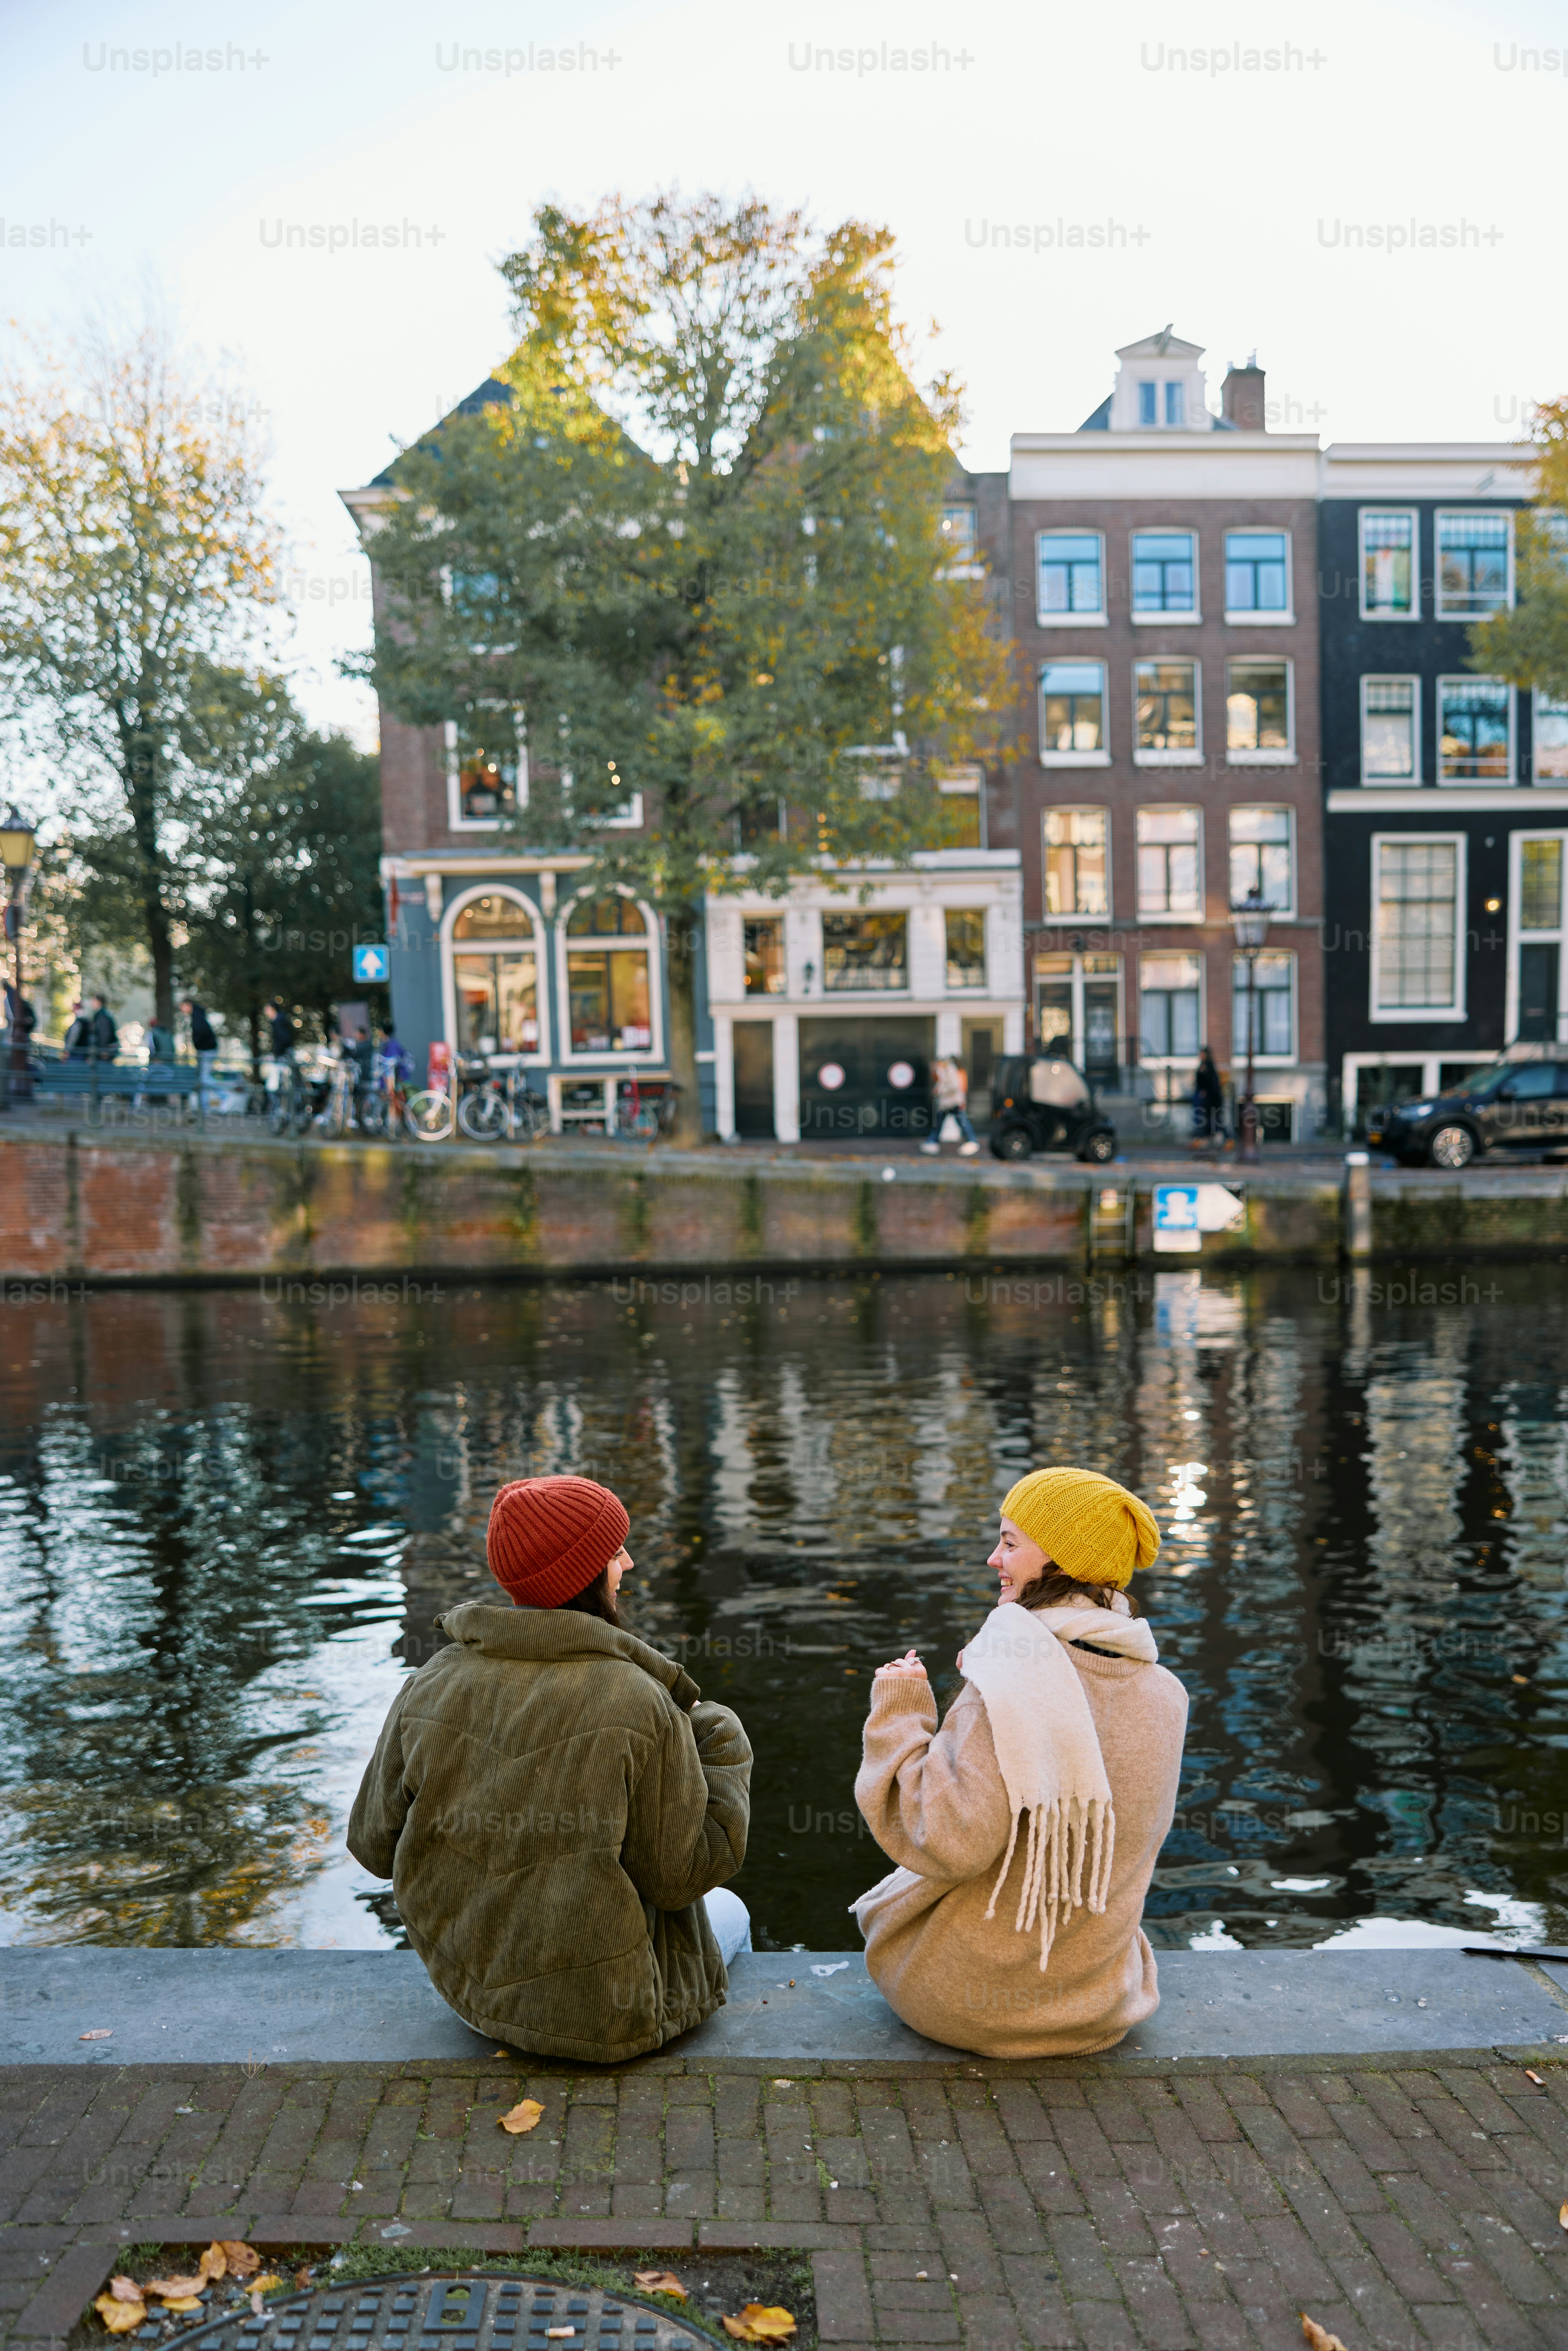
[
  {"x": 204, "y": 1042},
  {"x": 281, "y": 1030},
  {"x": 557, "y": 1805},
  {"x": 1026, "y": 1829},
  {"x": 159, "y": 1044},
  {"x": 950, "y": 1098},
  {"x": 78, "y": 1036},
  {"x": 1207, "y": 1104},
  {"x": 103, "y": 1038}
]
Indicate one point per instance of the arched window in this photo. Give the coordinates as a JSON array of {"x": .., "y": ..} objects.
[
  {"x": 608, "y": 984},
  {"x": 494, "y": 975}
]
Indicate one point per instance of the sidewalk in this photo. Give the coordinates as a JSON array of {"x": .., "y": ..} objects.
[{"x": 1405, "y": 2194}]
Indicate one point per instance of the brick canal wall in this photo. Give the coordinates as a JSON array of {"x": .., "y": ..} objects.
[{"x": 98, "y": 1206}]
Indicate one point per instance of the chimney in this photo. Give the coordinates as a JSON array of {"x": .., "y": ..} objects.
[{"x": 1241, "y": 396}]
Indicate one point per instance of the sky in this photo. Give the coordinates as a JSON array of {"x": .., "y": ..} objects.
[{"x": 1223, "y": 152}]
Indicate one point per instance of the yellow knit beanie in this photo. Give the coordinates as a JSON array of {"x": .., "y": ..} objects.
[{"x": 1091, "y": 1528}]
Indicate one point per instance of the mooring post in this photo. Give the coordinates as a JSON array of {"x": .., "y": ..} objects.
[{"x": 1357, "y": 1204}]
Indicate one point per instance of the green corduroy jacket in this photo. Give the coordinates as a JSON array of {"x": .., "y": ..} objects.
[{"x": 551, "y": 1800}]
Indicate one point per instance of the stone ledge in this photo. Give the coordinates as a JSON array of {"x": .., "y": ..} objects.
[{"x": 293, "y": 2009}]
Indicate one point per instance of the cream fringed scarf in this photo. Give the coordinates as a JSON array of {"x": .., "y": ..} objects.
[{"x": 1048, "y": 1752}]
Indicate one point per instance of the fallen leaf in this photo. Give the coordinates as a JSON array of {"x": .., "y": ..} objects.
[
  {"x": 761, "y": 2322},
  {"x": 1319, "y": 2337},
  {"x": 522, "y": 2117},
  {"x": 100, "y": 2033},
  {"x": 267, "y": 2284},
  {"x": 183, "y": 2303},
  {"x": 120, "y": 2317},
  {"x": 214, "y": 2261},
  {"x": 241, "y": 2260},
  {"x": 659, "y": 2282},
  {"x": 302, "y": 2279},
  {"x": 174, "y": 2289},
  {"x": 125, "y": 2289}
]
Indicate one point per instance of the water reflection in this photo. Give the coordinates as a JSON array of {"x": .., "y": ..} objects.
[{"x": 227, "y": 1526}]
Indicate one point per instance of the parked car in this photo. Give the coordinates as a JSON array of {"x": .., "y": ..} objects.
[
  {"x": 1510, "y": 1106},
  {"x": 1041, "y": 1102}
]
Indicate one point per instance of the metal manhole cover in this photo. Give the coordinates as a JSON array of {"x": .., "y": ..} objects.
[{"x": 451, "y": 2313}]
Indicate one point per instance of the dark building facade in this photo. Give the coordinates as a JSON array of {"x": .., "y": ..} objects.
[{"x": 1446, "y": 791}]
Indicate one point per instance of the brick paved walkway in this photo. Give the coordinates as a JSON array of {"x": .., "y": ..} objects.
[{"x": 995, "y": 2207}]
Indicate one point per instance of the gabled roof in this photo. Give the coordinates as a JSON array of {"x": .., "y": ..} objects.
[
  {"x": 491, "y": 393},
  {"x": 1163, "y": 346}
]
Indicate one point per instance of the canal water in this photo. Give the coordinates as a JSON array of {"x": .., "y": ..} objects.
[{"x": 228, "y": 1523}]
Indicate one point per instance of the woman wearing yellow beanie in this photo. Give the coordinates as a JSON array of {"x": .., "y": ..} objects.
[{"x": 1027, "y": 1828}]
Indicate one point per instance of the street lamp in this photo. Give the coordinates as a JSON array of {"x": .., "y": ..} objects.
[
  {"x": 16, "y": 837},
  {"x": 1252, "y": 921}
]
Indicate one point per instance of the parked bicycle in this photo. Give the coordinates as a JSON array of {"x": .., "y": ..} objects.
[
  {"x": 502, "y": 1105},
  {"x": 289, "y": 1106},
  {"x": 638, "y": 1113}
]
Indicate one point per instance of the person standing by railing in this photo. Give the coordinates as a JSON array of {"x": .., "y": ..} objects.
[
  {"x": 103, "y": 1037},
  {"x": 204, "y": 1043}
]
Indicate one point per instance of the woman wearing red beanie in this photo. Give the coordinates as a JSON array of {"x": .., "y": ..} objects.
[{"x": 557, "y": 1806}]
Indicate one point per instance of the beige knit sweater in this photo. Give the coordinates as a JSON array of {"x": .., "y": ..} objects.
[{"x": 934, "y": 1801}]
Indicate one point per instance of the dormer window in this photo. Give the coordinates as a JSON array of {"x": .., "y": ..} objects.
[
  {"x": 1157, "y": 397},
  {"x": 1175, "y": 403},
  {"x": 1148, "y": 403}
]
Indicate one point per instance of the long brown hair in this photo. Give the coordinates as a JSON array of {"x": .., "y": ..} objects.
[
  {"x": 596, "y": 1599},
  {"x": 1056, "y": 1589}
]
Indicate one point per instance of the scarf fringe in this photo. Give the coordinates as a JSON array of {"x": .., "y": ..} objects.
[{"x": 1065, "y": 1839}]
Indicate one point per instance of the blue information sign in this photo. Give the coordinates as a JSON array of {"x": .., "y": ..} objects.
[{"x": 370, "y": 963}]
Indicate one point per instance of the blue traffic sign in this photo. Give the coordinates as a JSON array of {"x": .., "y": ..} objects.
[{"x": 371, "y": 963}]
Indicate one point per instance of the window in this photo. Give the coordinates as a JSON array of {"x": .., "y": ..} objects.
[
  {"x": 1148, "y": 403},
  {"x": 1551, "y": 732},
  {"x": 958, "y": 535},
  {"x": 966, "y": 949},
  {"x": 1258, "y": 710},
  {"x": 1387, "y": 566},
  {"x": 1473, "y": 730},
  {"x": 1072, "y": 714},
  {"x": 1473, "y": 552},
  {"x": 1260, "y": 857},
  {"x": 1166, "y": 695},
  {"x": 1077, "y": 864},
  {"x": 1268, "y": 999},
  {"x": 1168, "y": 1006},
  {"x": 1175, "y": 403},
  {"x": 1072, "y": 575},
  {"x": 960, "y": 810},
  {"x": 865, "y": 951},
  {"x": 1415, "y": 942},
  {"x": 1540, "y": 885},
  {"x": 495, "y": 976},
  {"x": 1164, "y": 572},
  {"x": 1168, "y": 863},
  {"x": 1390, "y": 731},
  {"x": 764, "y": 956},
  {"x": 607, "y": 983},
  {"x": 1257, "y": 574}
]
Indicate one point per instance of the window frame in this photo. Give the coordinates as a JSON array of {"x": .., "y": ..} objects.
[
  {"x": 871, "y": 995},
  {"x": 1546, "y": 935},
  {"x": 1100, "y": 617},
  {"x": 963, "y": 990},
  {"x": 1100, "y": 758},
  {"x": 1541, "y": 703},
  {"x": 1178, "y": 618},
  {"x": 651, "y": 945},
  {"x": 1165, "y": 808},
  {"x": 1272, "y": 807},
  {"x": 1073, "y": 808},
  {"x": 1245, "y": 620},
  {"x": 456, "y": 820},
  {"x": 1413, "y": 679},
  {"x": 1260, "y": 1059},
  {"x": 1412, "y": 515},
  {"x": 1147, "y": 1061},
  {"x": 1288, "y": 757},
  {"x": 1475, "y": 783},
  {"x": 1491, "y": 514},
  {"x": 531, "y": 936},
  {"x": 1193, "y": 758},
  {"x": 1405, "y": 1013}
]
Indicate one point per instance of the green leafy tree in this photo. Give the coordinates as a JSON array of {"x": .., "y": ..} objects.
[
  {"x": 698, "y": 559},
  {"x": 1529, "y": 645},
  {"x": 136, "y": 567},
  {"x": 292, "y": 880}
]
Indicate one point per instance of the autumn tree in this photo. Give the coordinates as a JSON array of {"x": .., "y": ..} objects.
[
  {"x": 1529, "y": 644},
  {"x": 136, "y": 567},
  {"x": 698, "y": 559}
]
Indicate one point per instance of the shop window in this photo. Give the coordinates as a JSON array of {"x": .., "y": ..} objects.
[
  {"x": 609, "y": 996},
  {"x": 966, "y": 947},
  {"x": 764, "y": 955},
  {"x": 864, "y": 952},
  {"x": 495, "y": 976}
]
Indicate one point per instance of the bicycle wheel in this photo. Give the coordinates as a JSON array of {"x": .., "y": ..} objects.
[
  {"x": 531, "y": 1118},
  {"x": 279, "y": 1111},
  {"x": 373, "y": 1117},
  {"x": 428, "y": 1115},
  {"x": 482, "y": 1115}
]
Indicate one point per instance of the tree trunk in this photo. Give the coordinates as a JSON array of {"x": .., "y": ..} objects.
[
  {"x": 681, "y": 934},
  {"x": 161, "y": 948}
]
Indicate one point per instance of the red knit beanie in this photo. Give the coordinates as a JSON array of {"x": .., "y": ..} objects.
[{"x": 549, "y": 1537}]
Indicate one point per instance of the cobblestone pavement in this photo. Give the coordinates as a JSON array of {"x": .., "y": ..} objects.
[{"x": 990, "y": 2207}]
